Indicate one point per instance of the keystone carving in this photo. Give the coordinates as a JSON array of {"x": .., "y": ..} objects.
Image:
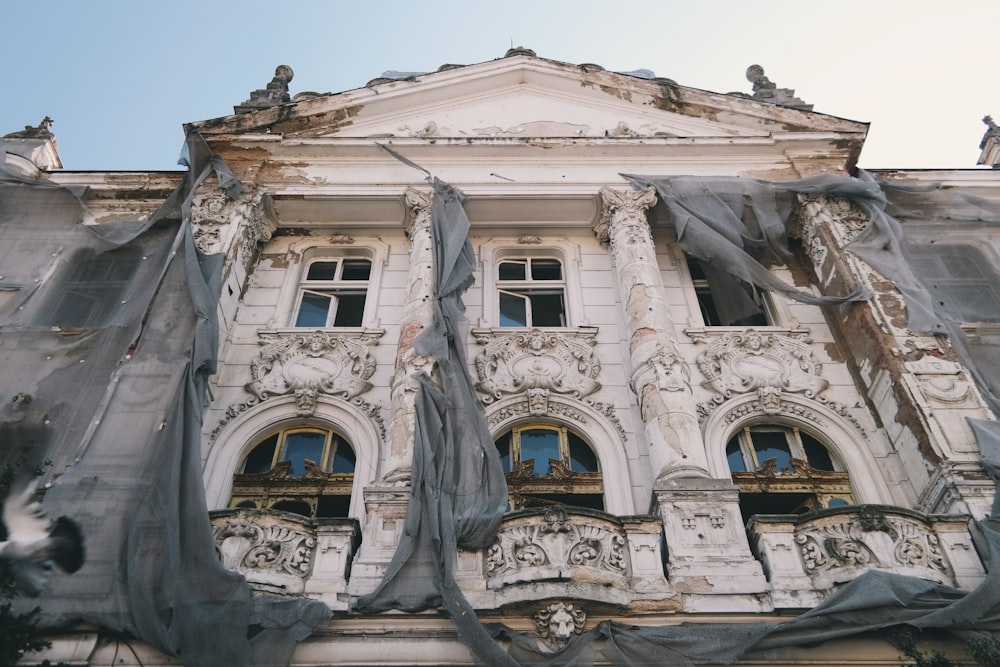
[
  {"x": 557, "y": 546},
  {"x": 535, "y": 363},
  {"x": 558, "y": 622},
  {"x": 309, "y": 364}
]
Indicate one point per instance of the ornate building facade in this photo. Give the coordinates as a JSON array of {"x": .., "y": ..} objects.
[{"x": 684, "y": 439}]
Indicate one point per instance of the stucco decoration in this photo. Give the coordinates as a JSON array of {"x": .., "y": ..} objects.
[
  {"x": 749, "y": 360},
  {"x": 309, "y": 364},
  {"x": 273, "y": 552},
  {"x": 837, "y": 548},
  {"x": 558, "y": 622},
  {"x": 557, "y": 546},
  {"x": 216, "y": 216},
  {"x": 527, "y": 361}
]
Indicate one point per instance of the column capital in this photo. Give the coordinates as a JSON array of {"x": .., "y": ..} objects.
[
  {"x": 620, "y": 205},
  {"x": 418, "y": 205}
]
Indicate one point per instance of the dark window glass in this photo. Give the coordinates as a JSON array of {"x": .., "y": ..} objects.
[
  {"x": 350, "y": 310},
  {"x": 313, "y": 310},
  {"x": 357, "y": 269},
  {"x": 512, "y": 271},
  {"x": 344, "y": 459},
  {"x": 322, "y": 271},
  {"x": 546, "y": 269},
  {"x": 735, "y": 456},
  {"x": 303, "y": 445},
  {"x": 503, "y": 446},
  {"x": 540, "y": 445},
  {"x": 772, "y": 445},
  {"x": 547, "y": 310},
  {"x": 513, "y": 310},
  {"x": 293, "y": 506},
  {"x": 817, "y": 455},
  {"x": 95, "y": 288},
  {"x": 260, "y": 457},
  {"x": 581, "y": 456},
  {"x": 333, "y": 506}
]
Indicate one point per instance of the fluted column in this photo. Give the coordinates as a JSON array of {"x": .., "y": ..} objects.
[
  {"x": 418, "y": 311},
  {"x": 660, "y": 377}
]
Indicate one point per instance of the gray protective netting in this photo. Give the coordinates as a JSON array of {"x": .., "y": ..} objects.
[
  {"x": 739, "y": 226},
  {"x": 108, "y": 338},
  {"x": 458, "y": 492}
]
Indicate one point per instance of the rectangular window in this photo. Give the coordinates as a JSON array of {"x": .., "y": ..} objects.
[
  {"x": 96, "y": 288},
  {"x": 532, "y": 292},
  {"x": 725, "y": 300},
  {"x": 333, "y": 293},
  {"x": 960, "y": 280}
]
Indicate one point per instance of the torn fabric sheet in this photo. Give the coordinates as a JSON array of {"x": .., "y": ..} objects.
[
  {"x": 458, "y": 493},
  {"x": 113, "y": 354}
]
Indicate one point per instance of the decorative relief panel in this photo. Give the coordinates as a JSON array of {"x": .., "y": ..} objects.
[
  {"x": 272, "y": 551},
  {"x": 836, "y": 548},
  {"x": 214, "y": 213},
  {"x": 942, "y": 383},
  {"x": 305, "y": 365},
  {"x": 558, "y": 622},
  {"x": 557, "y": 545},
  {"x": 514, "y": 363},
  {"x": 311, "y": 363}
]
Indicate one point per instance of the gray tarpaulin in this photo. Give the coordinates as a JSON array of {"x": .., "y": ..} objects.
[
  {"x": 458, "y": 492},
  {"x": 739, "y": 226},
  {"x": 107, "y": 340}
]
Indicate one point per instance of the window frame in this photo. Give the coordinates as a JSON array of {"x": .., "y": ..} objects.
[
  {"x": 525, "y": 288},
  {"x": 526, "y": 488},
  {"x": 332, "y": 289},
  {"x": 821, "y": 487},
  {"x": 276, "y": 485},
  {"x": 704, "y": 299}
]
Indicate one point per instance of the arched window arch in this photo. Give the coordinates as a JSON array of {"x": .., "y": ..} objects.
[
  {"x": 783, "y": 469},
  {"x": 550, "y": 465},
  {"x": 307, "y": 470}
]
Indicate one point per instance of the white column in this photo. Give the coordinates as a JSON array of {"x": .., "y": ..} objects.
[{"x": 660, "y": 377}]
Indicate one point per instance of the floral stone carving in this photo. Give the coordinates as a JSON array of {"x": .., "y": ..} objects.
[
  {"x": 837, "y": 548},
  {"x": 558, "y": 622},
  {"x": 272, "y": 551},
  {"x": 556, "y": 545},
  {"x": 750, "y": 360},
  {"x": 528, "y": 361},
  {"x": 309, "y": 364}
]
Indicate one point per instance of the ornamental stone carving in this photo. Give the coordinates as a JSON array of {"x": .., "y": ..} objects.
[
  {"x": 215, "y": 217},
  {"x": 535, "y": 363},
  {"x": 210, "y": 216},
  {"x": 558, "y": 622},
  {"x": 556, "y": 545},
  {"x": 750, "y": 360},
  {"x": 308, "y": 364},
  {"x": 836, "y": 548},
  {"x": 273, "y": 552}
]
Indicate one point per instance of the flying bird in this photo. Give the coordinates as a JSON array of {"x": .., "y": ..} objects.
[{"x": 34, "y": 544}]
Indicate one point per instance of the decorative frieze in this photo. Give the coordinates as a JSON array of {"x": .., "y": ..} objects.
[
  {"x": 557, "y": 545},
  {"x": 308, "y": 364},
  {"x": 535, "y": 361}
]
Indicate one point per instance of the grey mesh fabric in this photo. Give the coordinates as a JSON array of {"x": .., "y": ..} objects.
[
  {"x": 106, "y": 346},
  {"x": 458, "y": 490}
]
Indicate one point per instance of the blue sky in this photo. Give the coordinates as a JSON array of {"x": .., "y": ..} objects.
[{"x": 120, "y": 77}]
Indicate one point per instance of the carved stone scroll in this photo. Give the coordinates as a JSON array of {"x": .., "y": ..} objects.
[{"x": 308, "y": 364}]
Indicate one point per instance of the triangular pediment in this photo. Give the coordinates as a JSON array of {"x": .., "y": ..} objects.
[{"x": 527, "y": 97}]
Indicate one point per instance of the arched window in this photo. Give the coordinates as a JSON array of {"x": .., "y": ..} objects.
[
  {"x": 550, "y": 465},
  {"x": 784, "y": 470},
  {"x": 306, "y": 470}
]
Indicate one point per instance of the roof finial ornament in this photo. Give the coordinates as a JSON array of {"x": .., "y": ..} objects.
[
  {"x": 41, "y": 131},
  {"x": 276, "y": 92},
  {"x": 520, "y": 51},
  {"x": 766, "y": 90},
  {"x": 990, "y": 145}
]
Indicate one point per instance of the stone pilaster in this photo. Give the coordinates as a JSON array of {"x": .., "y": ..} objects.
[{"x": 660, "y": 377}]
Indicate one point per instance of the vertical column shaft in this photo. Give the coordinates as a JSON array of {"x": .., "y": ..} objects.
[{"x": 660, "y": 377}]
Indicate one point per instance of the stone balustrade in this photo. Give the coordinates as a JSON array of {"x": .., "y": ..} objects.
[
  {"x": 806, "y": 556},
  {"x": 285, "y": 553}
]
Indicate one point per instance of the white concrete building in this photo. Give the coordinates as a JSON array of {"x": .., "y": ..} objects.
[{"x": 667, "y": 461}]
